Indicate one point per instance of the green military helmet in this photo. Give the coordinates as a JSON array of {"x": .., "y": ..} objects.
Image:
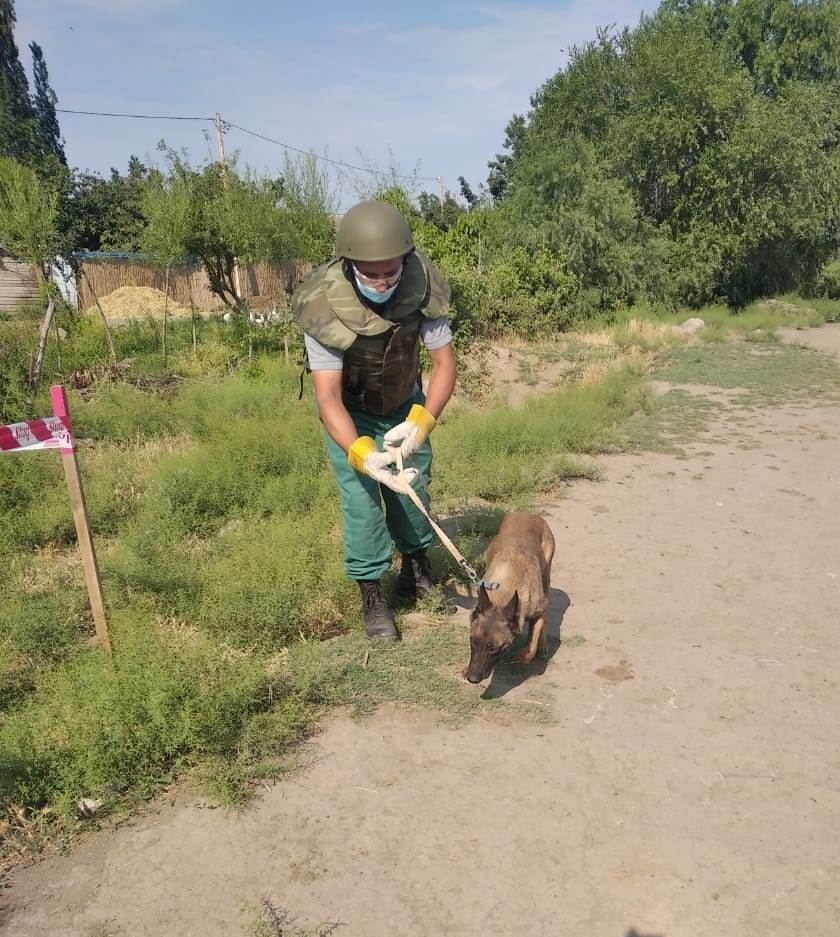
[{"x": 373, "y": 231}]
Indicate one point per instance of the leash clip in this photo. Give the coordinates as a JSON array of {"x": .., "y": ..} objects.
[
  {"x": 471, "y": 574},
  {"x": 475, "y": 579}
]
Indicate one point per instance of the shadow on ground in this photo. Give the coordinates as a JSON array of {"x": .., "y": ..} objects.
[{"x": 510, "y": 673}]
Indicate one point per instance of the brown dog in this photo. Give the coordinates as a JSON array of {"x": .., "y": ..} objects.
[{"x": 519, "y": 560}]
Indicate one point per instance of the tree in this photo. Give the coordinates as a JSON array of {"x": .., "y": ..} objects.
[
  {"x": 18, "y": 125},
  {"x": 308, "y": 200},
  {"x": 442, "y": 216},
  {"x": 166, "y": 206},
  {"x": 779, "y": 41},
  {"x": 309, "y": 203},
  {"x": 85, "y": 212},
  {"x": 498, "y": 180},
  {"x": 106, "y": 214},
  {"x": 584, "y": 98},
  {"x": 125, "y": 220},
  {"x": 28, "y": 210},
  {"x": 703, "y": 143},
  {"x": 230, "y": 217},
  {"x": 29, "y": 231},
  {"x": 683, "y": 95},
  {"x": 239, "y": 215},
  {"x": 467, "y": 193},
  {"x": 29, "y": 129},
  {"x": 767, "y": 217},
  {"x": 45, "y": 102}
]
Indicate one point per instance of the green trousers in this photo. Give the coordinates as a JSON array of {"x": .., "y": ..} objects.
[{"x": 373, "y": 515}]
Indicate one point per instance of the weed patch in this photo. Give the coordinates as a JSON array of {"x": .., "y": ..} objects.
[
  {"x": 272, "y": 920},
  {"x": 507, "y": 455},
  {"x": 673, "y": 420},
  {"x": 767, "y": 374},
  {"x": 94, "y": 730},
  {"x": 423, "y": 670},
  {"x": 219, "y": 538}
]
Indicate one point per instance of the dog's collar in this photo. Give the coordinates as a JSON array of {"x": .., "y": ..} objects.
[{"x": 490, "y": 585}]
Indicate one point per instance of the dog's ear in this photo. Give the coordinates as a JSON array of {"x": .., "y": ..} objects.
[
  {"x": 512, "y": 611},
  {"x": 483, "y": 600}
]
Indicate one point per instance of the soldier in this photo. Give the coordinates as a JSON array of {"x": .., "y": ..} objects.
[{"x": 364, "y": 315}]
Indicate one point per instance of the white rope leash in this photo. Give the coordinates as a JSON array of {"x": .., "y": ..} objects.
[{"x": 405, "y": 484}]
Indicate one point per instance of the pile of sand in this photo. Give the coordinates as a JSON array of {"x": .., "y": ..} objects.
[{"x": 137, "y": 302}]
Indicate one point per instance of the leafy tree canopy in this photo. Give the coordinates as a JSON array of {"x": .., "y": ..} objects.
[
  {"x": 29, "y": 131},
  {"x": 706, "y": 137}
]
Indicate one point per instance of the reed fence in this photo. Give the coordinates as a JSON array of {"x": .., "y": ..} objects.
[{"x": 262, "y": 285}]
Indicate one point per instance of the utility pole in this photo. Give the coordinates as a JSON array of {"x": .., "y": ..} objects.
[
  {"x": 440, "y": 196},
  {"x": 220, "y": 139}
]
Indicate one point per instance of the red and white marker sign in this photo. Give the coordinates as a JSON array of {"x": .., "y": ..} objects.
[
  {"x": 49, "y": 433},
  {"x": 55, "y": 432}
]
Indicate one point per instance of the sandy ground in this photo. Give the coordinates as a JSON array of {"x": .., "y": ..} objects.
[{"x": 688, "y": 784}]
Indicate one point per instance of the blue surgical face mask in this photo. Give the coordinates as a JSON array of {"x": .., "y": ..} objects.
[{"x": 371, "y": 293}]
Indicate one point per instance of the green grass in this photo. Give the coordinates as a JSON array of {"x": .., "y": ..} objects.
[
  {"x": 508, "y": 455},
  {"x": 748, "y": 372},
  {"x": 761, "y": 374},
  {"x": 674, "y": 420},
  {"x": 423, "y": 670},
  {"x": 94, "y": 730},
  {"x": 526, "y": 372},
  {"x": 219, "y": 543},
  {"x": 790, "y": 310},
  {"x": 218, "y": 531}
]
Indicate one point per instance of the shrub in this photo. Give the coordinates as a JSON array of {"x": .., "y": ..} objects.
[{"x": 91, "y": 730}]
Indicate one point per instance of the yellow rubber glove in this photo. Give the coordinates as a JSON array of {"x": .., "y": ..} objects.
[
  {"x": 368, "y": 460},
  {"x": 412, "y": 432}
]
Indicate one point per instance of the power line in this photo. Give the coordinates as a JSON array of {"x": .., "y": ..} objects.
[
  {"x": 326, "y": 159},
  {"x": 66, "y": 110},
  {"x": 251, "y": 133}
]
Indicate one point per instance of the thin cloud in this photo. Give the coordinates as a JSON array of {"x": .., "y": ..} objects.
[
  {"x": 440, "y": 92},
  {"x": 356, "y": 29},
  {"x": 514, "y": 45},
  {"x": 474, "y": 76}
]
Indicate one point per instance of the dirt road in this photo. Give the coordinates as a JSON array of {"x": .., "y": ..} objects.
[{"x": 687, "y": 785}]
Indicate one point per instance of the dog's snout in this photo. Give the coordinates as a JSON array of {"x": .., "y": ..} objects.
[{"x": 479, "y": 668}]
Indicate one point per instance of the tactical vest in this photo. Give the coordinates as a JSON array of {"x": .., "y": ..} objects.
[{"x": 381, "y": 364}]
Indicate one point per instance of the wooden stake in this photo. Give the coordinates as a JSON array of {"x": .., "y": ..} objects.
[
  {"x": 165, "y": 310},
  {"x": 80, "y": 517},
  {"x": 111, "y": 350},
  {"x": 192, "y": 313},
  {"x": 37, "y": 361},
  {"x": 57, "y": 342}
]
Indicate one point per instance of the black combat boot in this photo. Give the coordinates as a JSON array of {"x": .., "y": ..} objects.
[
  {"x": 415, "y": 577},
  {"x": 378, "y": 617}
]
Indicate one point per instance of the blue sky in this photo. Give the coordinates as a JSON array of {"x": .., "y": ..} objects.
[{"x": 432, "y": 83}]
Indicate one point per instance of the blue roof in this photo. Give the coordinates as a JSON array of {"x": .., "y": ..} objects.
[{"x": 122, "y": 255}]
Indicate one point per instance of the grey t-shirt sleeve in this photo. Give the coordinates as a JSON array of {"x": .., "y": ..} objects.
[
  {"x": 434, "y": 333},
  {"x": 320, "y": 357}
]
